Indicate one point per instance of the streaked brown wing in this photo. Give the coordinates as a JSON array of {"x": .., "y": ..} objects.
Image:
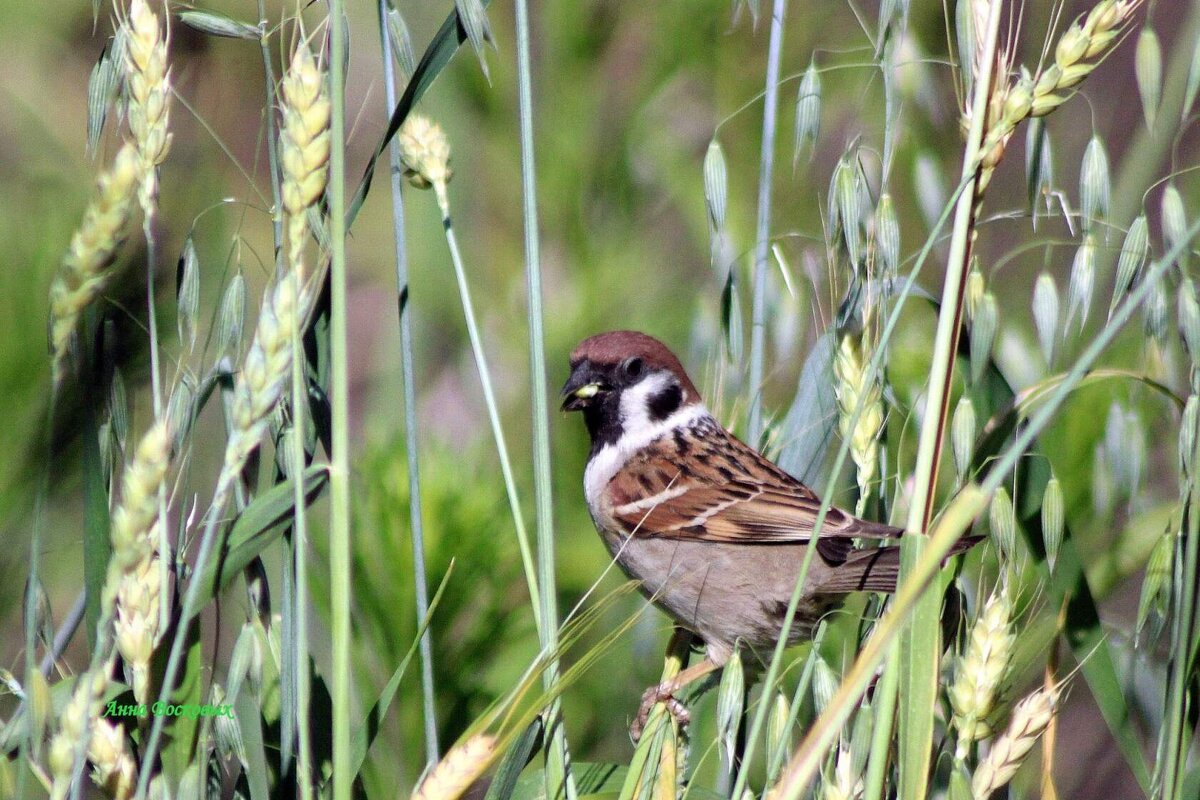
[{"x": 727, "y": 492}]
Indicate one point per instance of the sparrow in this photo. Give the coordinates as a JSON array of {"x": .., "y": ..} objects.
[{"x": 713, "y": 532}]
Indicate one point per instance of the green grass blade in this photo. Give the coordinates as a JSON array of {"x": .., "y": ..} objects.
[
  {"x": 504, "y": 783},
  {"x": 808, "y": 428},
  {"x": 96, "y": 545},
  {"x": 441, "y": 49},
  {"x": 249, "y": 720},
  {"x": 180, "y": 739},
  {"x": 370, "y": 726},
  {"x": 408, "y": 380},
  {"x": 254, "y": 530}
]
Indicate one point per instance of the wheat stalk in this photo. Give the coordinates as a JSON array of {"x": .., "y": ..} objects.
[
  {"x": 113, "y": 767},
  {"x": 425, "y": 151},
  {"x": 84, "y": 271},
  {"x": 149, "y": 89},
  {"x": 1078, "y": 52},
  {"x": 853, "y": 390},
  {"x": 303, "y": 145},
  {"x": 1029, "y": 720},
  {"x": 84, "y": 705},
  {"x": 980, "y": 670},
  {"x": 134, "y": 581}
]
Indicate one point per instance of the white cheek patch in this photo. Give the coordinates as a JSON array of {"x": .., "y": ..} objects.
[
  {"x": 638, "y": 430},
  {"x": 635, "y": 403}
]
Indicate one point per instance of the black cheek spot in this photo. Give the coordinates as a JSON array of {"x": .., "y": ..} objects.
[{"x": 665, "y": 403}]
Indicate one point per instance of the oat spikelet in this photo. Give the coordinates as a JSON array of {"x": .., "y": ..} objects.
[
  {"x": 425, "y": 151},
  {"x": 304, "y": 145},
  {"x": 1029, "y": 720},
  {"x": 852, "y": 390},
  {"x": 148, "y": 82},
  {"x": 84, "y": 705},
  {"x": 134, "y": 581},
  {"x": 85, "y": 267},
  {"x": 113, "y": 768},
  {"x": 458, "y": 769},
  {"x": 979, "y": 671}
]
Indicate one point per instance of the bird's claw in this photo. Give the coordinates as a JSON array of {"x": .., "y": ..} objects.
[{"x": 661, "y": 693}]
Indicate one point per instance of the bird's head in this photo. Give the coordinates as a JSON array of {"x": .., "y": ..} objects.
[{"x": 624, "y": 381}]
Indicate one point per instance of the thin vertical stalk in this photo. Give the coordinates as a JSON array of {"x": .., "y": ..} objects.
[
  {"x": 410, "y": 404},
  {"x": 762, "y": 239},
  {"x": 493, "y": 409},
  {"x": 272, "y": 140},
  {"x": 339, "y": 478},
  {"x": 558, "y": 778},
  {"x": 300, "y": 563},
  {"x": 1184, "y": 631},
  {"x": 920, "y": 642}
]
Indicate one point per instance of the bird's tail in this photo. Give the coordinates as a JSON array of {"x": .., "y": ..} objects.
[{"x": 876, "y": 569}]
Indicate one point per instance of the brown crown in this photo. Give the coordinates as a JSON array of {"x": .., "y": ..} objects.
[{"x": 613, "y": 347}]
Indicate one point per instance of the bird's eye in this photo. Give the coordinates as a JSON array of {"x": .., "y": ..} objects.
[{"x": 632, "y": 367}]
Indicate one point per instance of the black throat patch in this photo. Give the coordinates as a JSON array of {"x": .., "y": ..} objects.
[{"x": 603, "y": 421}]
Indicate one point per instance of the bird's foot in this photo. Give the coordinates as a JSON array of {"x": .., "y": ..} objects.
[{"x": 661, "y": 693}]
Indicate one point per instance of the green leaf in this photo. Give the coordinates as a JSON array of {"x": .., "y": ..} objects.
[
  {"x": 179, "y": 734},
  {"x": 1191, "y": 784},
  {"x": 1087, "y": 639},
  {"x": 369, "y": 728},
  {"x": 255, "y": 528},
  {"x": 96, "y": 545},
  {"x": 441, "y": 49},
  {"x": 249, "y": 720},
  {"x": 504, "y": 784},
  {"x": 590, "y": 779},
  {"x": 807, "y": 430},
  {"x": 918, "y": 680}
]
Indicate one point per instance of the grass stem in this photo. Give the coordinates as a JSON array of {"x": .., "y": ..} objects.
[
  {"x": 559, "y": 783},
  {"x": 921, "y": 642},
  {"x": 408, "y": 380},
  {"x": 339, "y": 477},
  {"x": 762, "y": 240},
  {"x": 493, "y": 410}
]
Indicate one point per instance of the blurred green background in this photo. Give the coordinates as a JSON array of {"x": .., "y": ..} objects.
[{"x": 628, "y": 96}]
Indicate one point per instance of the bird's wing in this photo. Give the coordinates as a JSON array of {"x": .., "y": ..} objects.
[{"x": 728, "y": 493}]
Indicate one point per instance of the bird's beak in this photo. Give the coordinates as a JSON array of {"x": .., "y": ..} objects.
[{"x": 580, "y": 388}]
